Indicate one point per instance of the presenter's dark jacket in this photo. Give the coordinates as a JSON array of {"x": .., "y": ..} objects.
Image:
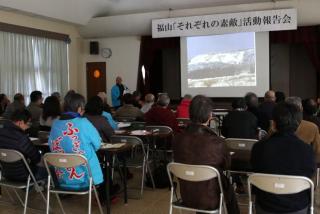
[
  {"x": 240, "y": 124},
  {"x": 12, "y": 137},
  {"x": 199, "y": 145},
  {"x": 283, "y": 154}
]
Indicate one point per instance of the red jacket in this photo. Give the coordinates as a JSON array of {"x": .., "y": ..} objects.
[
  {"x": 161, "y": 116},
  {"x": 183, "y": 109}
]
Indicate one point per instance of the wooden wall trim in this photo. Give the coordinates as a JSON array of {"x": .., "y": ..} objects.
[{"x": 33, "y": 32}]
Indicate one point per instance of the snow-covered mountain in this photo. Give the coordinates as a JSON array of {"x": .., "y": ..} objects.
[{"x": 221, "y": 64}]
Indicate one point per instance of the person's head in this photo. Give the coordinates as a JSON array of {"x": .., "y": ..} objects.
[
  {"x": 4, "y": 99},
  {"x": 187, "y": 97},
  {"x": 94, "y": 106},
  {"x": 200, "y": 109},
  {"x": 66, "y": 98},
  {"x": 239, "y": 104},
  {"x": 76, "y": 103},
  {"x": 270, "y": 96},
  {"x": 36, "y": 97},
  {"x": 51, "y": 108},
  {"x": 163, "y": 100},
  {"x": 127, "y": 98},
  {"x": 286, "y": 117},
  {"x": 149, "y": 98},
  {"x": 309, "y": 107},
  {"x": 103, "y": 96},
  {"x": 136, "y": 95},
  {"x": 119, "y": 80},
  {"x": 57, "y": 95},
  {"x": 21, "y": 118},
  {"x": 296, "y": 101},
  {"x": 251, "y": 100},
  {"x": 19, "y": 98},
  {"x": 280, "y": 96}
]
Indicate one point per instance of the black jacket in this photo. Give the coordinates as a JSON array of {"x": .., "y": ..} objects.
[
  {"x": 283, "y": 154},
  {"x": 240, "y": 124},
  {"x": 12, "y": 137},
  {"x": 265, "y": 115}
]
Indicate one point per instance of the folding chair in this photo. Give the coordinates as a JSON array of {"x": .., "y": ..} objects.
[
  {"x": 164, "y": 133},
  {"x": 243, "y": 146},
  {"x": 183, "y": 122},
  {"x": 137, "y": 160},
  {"x": 193, "y": 173},
  {"x": 281, "y": 185},
  {"x": 62, "y": 160},
  {"x": 125, "y": 119},
  {"x": 8, "y": 157}
]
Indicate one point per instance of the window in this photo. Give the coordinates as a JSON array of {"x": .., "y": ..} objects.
[{"x": 29, "y": 63}]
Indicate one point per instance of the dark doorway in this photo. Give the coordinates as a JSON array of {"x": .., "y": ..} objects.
[{"x": 96, "y": 78}]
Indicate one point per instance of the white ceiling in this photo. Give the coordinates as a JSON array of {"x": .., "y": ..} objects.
[{"x": 81, "y": 11}]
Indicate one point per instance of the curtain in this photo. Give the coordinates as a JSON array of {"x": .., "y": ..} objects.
[
  {"x": 29, "y": 63},
  {"x": 309, "y": 36},
  {"x": 150, "y": 58}
]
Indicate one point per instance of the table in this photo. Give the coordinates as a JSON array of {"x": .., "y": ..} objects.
[{"x": 114, "y": 151}]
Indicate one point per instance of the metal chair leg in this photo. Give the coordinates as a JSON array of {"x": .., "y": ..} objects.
[
  {"x": 48, "y": 195},
  {"x": 90, "y": 196},
  {"x": 60, "y": 203},
  {"x": 26, "y": 197},
  {"x": 98, "y": 200}
]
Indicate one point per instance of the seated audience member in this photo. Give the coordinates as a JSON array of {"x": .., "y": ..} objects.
[
  {"x": 106, "y": 106},
  {"x": 280, "y": 96},
  {"x": 148, "y": 103},
  {"x": 252, "y": 103},
  {"x": 307, "y": 131},
  {"x": 4, "y": 102},
  {"x": 183, "y": 108},
  {"x": 240, "y": 123},
  {"x": 310, "y": 111},
  {"x": 160, "y": 114},
  {"x": 199, "y": 145},
  {"x": 137, "y": 99},
  {"x": 57, "y": 95},
  {"x": 17, "y": 104},
  {"x": 265, "y": 110},
  {"x": 283, "y": 154},
  {"x": 107, "y": 110},
  {"x": 94, "y": 109},
  {"x": 128, "y": 110},
  {"x": 51, "y": 111},
  {"x": 74, "y": 134},
  {"x": 35, "y": 108},
  {"x": 13, "y": 136}
]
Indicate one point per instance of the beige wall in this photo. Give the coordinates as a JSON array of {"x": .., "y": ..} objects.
[
  {"x": 123, "y": 62},
  {"x": 59, "y": 27}
]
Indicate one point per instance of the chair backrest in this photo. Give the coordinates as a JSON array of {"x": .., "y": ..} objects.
[
  {"x": 195, "y": 173},
  {"x": 164, "y": 130},
  {"x": 43, "y": 135},
  {"x": 136, "y": 125},
  {"x": 134, "y": 141},
  {"x": 8, "y": 156},
  {"x": 63, "y": 160},
  {"x": 240, "y": 144},
  {"x": 280, "y": 184},
  {"x": 125, "y": 119}
]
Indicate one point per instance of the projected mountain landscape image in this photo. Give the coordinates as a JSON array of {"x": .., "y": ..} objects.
[{"x": 218, "y": 61}]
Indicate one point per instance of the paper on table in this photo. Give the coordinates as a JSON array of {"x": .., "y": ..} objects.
[{"x": 112, "y": 146}]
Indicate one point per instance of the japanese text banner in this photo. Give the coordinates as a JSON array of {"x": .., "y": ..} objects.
[{"x": 253, "y": 21}]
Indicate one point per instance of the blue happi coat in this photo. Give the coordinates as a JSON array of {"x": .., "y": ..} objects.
[{"x": 76, "y": 135}]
